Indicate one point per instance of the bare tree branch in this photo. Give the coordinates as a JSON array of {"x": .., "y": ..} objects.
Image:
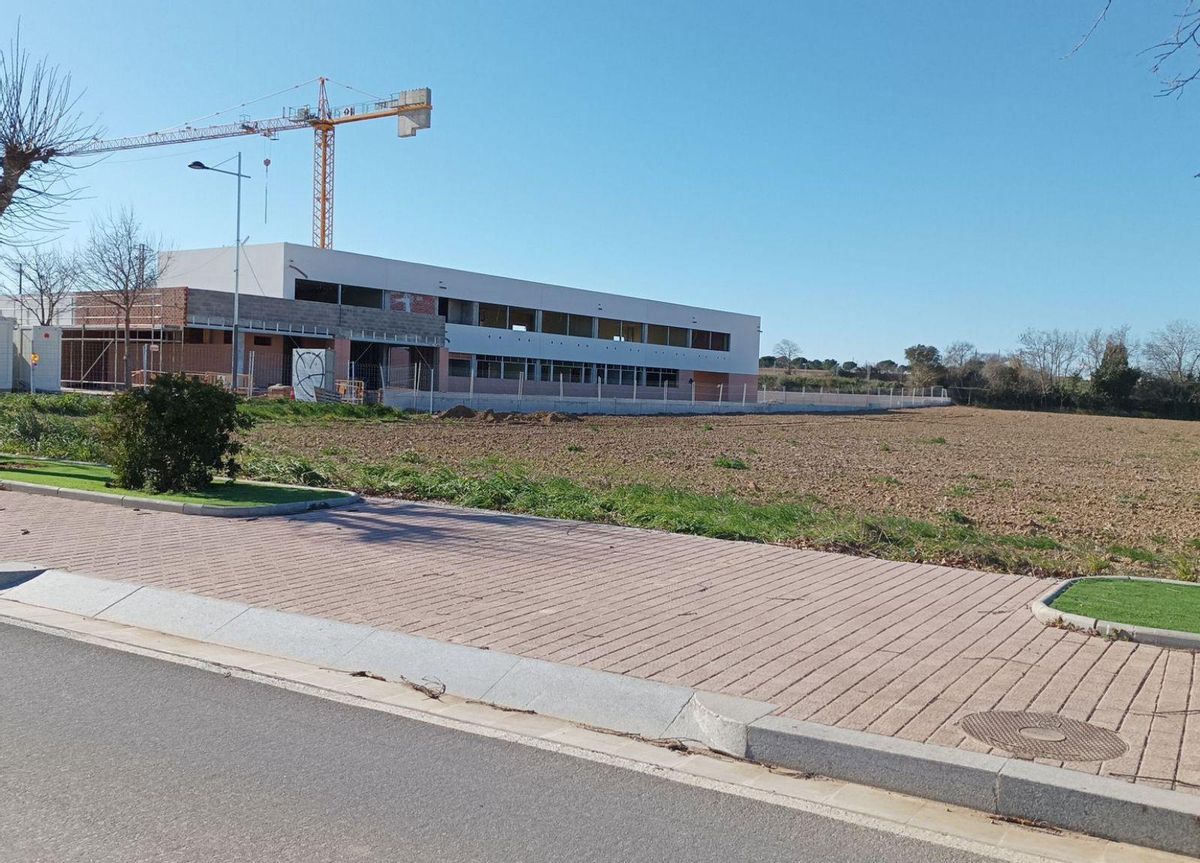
[
  {"x": 1088, "y": 35},
  {"x": 39, "y": 122},
  {"x": 121, "y": 268},
  {"x": 40, "y": 281},
  {"x": 1174, "y": 351}
]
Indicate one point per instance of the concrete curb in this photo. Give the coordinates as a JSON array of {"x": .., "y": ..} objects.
[
  {"x": 598, "y": 698},
  {"x": 1043, "y": 612},
  {"x": 206, "y": 509},
  {"x": 1007, "y": 787}
]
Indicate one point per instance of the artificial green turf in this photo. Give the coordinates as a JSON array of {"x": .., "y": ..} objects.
[
  {"x": 1136, "y": 602},
  {"x": 94, "y": 477}
]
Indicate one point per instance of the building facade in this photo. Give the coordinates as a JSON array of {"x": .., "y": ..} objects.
[{"x": 396, "y": 324}]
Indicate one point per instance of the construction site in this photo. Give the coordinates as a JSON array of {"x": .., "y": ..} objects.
[{"x": 318, "y": 324}]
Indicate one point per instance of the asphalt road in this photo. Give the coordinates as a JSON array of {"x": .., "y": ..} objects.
[{"x": 108, "y": 756}]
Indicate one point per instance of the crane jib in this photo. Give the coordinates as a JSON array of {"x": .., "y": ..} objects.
[{"x": 411, "y": 107}]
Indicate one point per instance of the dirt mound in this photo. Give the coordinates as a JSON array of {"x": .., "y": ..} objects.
[
  {"x": 488, "y": 416},
  {"x": 556, "y": 417},
  {"x": 458, "y": 412}
]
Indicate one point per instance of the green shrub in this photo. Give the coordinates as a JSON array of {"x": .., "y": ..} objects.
[
  {"x": 173, "y": 436},
  {"x": 730, "y": 463}
]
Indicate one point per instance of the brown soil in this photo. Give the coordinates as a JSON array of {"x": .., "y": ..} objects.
[{"x": 1106, "y": 480}]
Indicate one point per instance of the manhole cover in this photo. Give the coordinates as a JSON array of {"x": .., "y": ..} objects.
[{"x": 1044, "y": 735}]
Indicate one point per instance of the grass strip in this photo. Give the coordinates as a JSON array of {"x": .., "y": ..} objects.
[
  {"x": 1136, "y": 602},
  {"x": 91, "y": 477},
  {"x": 489, "y": 484}
]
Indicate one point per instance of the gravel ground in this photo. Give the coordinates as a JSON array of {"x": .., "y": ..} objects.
[{"x": 1100, "y": 481}]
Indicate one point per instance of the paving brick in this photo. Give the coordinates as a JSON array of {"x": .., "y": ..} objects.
[{"x": 900, "y": 649}]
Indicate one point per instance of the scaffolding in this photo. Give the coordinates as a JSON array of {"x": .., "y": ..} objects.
[{"x": 99, "y": 349}]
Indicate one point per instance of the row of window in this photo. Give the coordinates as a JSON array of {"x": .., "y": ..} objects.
[
  {"x": 345, "y": 295},
  {"x": 570, "y": 372},
  {"x": 524, "y": 319}
]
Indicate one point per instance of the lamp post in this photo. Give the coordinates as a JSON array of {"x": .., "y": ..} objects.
[{"x": 237, "y": 257}]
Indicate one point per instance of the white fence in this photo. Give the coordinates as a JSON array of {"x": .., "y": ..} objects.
[{"x": 604, "y": 403}]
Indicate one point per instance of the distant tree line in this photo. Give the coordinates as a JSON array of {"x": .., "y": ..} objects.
[
  {"x": 1101, "y": 371},
  {"x": 1097, "y": 371}
]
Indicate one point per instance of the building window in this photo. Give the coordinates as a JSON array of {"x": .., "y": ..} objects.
[
  {"x": 487, "y": 367},
  {"x": 657, "y": 334},
  {"x": 662, "y": 377},
  {"x": 568, "y": 372},
  {"x": 555, "y": 322},
  {"x": 524, "y": 320},
  {"x": 631, "y": 332},
  {"x": 618, "y": 375},
  {"x": 609, "y": 330},
  {"x": 491, "y": 315},
  {"x": 456, "y": 311},
  {"x": 367, "y": 298},
  {"x": 677, "y": 337},
  {"x": 316, "y": 292},
  {"x": 262, "y": 341},
  {"x": 710, "y": 341},
  {"x": 193, "y": 336},
  {"x": 582, "y": 326},
  {"x": 227, "y": 337},
  {"x": 460, "y": 368}
]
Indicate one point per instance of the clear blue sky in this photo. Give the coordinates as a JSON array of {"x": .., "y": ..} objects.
[{"x": 862, "y": 175}]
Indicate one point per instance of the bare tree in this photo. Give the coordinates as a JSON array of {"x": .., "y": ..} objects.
[
  {"x": 40, "y": 281},
  {"x": 1096, "y": 344},
  {"x": 1174, "y": 351},
  {"x": 1050, "y": 355},
  {"x": 121, "y": 268},
  {"x": 39, "y": 124},
  {"x": 1183, "y": 41},
  {"x": 958, "y": 354},
  {"x": 788, "y": 352}
]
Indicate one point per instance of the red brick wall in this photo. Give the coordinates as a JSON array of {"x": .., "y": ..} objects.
[{"x": 416, "y": 304}]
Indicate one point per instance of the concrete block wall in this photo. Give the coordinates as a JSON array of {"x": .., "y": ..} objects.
[{"x": 340, "y": 320}]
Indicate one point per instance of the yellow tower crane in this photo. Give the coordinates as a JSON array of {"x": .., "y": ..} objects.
[{"x": 411, "y": 108}]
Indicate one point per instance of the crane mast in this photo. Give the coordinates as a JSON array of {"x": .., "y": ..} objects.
[{"x": 411, "y": 108}]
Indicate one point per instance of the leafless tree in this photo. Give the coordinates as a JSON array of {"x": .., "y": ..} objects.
[
  {"x": 1097, "y": 342},
  {"x": 1050, "y": 355},
  {"x": 39, "y": 280},
  {"x": 121, "y": 268},
  {"x": 958, "y": 354},
  {"x": 788, "y": 352},
  {"x": 1174, "y": 351},
  {"x": 39, "y": 124},
  {"x": 1183, "y": 41}
]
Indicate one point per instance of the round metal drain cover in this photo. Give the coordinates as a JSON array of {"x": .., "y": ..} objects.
[{"x": 1044, "y": 735}]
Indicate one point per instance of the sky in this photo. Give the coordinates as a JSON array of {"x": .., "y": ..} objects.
[{"x": 863, "y": 176}]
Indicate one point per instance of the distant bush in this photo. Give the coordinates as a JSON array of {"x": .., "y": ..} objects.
[{"x": 173, "y": 436}]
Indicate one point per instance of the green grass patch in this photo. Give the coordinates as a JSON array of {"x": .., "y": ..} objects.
[
  {"x": 1133, "y": 553},
  {"x": 492, "y": 483},
  {"x": 933, "y": 440},
  {"x": 886, "y": 480},
  {"x": 95, "y": 477},
  {"x": 1138, "y": 603},
  {"x": 288, "y": 411},
  {"x": 730, "y": 463}
]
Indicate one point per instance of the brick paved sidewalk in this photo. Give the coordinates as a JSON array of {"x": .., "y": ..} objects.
[{"x": 892, "y": 648}]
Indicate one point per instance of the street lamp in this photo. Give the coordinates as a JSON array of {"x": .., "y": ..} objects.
[{"x": 236, "y": 365}]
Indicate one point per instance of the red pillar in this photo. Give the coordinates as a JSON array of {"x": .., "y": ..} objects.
[{"x": 341, "y": 359}]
